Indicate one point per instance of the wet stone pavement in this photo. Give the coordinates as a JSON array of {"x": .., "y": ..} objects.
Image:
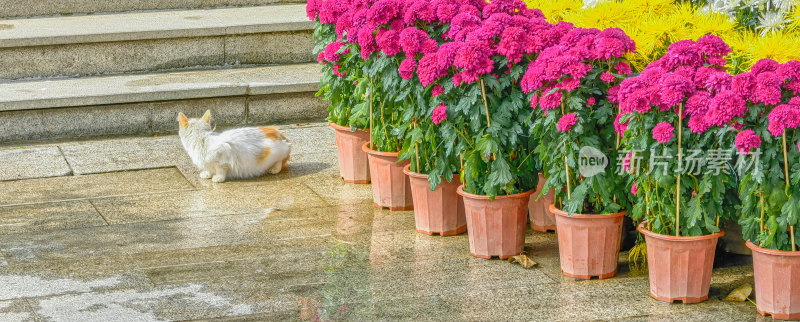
[{"x": 124, "y": 229}]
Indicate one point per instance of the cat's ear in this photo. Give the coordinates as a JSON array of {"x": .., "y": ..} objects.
[
  {"x": 183, "y": 121},
  {"x": 207, "y": 117}
]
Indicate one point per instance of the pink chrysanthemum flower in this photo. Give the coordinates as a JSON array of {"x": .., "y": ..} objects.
[
  {"x": 790, "y": 69},
  {"x": 764, "y": 65},
  {"x": 698, "y": 103},
  {"x": 474, "y": 59},
  {"x": 746, "y": 141},
  {"x": 407, "y": 68},
  {"x": 718, "y": 81},
  {"x": 724, "y": 107},
  {"x": 663, "y": 132},
  {"x": 783, "y": 117},
  {"x": 534, "y": 100},
  {"x": 768, "y": 88},
  {"x": 612, "y": 43},
  {"x": 367, "y": 42},
  {"x": 627, "y": 166},
  {"x": 445, "y": 9},
  {"x": 389, "y": 41},
  {"x": 713, "y": 45},
  {"x": 634, "y": 189},
  {"x": 437, "y": 90},
  {"x": 682, "y": 53},
  {"x": 620, "y": 128},
  {"x": 607, "y": 77},
  {"x": 569, "y": 84},
  {"x": 697, "y": 124},
  {"x": 512, "y": 44},
  {"x": 337, "y": 72},
  {"x": 550, "y": 101},
  {"x": 439, "y": 114},
  {"x": 411, "y": 40},
  {"x": 623, "y": 68},
  {"x": 446, "y": 54},
  {"x": 743, "y": 84},
  {"x": 419, "y": 10},
  {"x": 461, "y": 25},
  {"x": 566, "y": 122},
  {"x": 590, "y": 101},
  {"x": 382, "y": 11},
  {"x": 321, "y": 57},
  {"x": 331, "y": 51},
  {"x": 428, "y": 70},
  {"x": 312, "y": 9}
]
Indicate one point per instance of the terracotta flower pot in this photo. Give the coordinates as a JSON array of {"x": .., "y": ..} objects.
[
  {"x": 680, "y": 267},
  {"x": 496, "y": 228},
  {"x": 588, "y": 244},
  {"x": 539, "y": 210},
  {"x": 353, "y": 165},
  {"x": 390, "y": 186},
  {"x": 777, "y": 275},
  {"x": 440, "y": 211}
]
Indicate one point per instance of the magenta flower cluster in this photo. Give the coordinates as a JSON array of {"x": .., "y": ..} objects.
[
  {"x": 566, "y": 122},
  {"x": 568, "y": 57}
]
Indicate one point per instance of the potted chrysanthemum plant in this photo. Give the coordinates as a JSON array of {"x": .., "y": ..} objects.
[
  {"x": 433, "y": 170},
  {"x": 568, "y": 86},
  {"x": 342, "y": 85},
  {"x": 679, "y": 112},
  {"x": 484, "y": 110},
  {"x": 770, "y": 182}
]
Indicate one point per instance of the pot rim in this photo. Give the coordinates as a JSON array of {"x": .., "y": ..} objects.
[
  {"x": 774, "y": 252},
  {"x": 649, "y": 233},
  {"x": 562, "y": 213},
  {"x": 366, "y": 148},
  {"x": 344, "y": 128},
  {"x": 465, "y": 194},
  {"x": 408, "y": 172}
]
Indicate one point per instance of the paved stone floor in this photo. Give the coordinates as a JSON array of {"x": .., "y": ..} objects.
[{"x": 123, "y": 229}]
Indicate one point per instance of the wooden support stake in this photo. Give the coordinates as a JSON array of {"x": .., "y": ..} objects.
[
  {"x": 786, "y": 174},
  {"x": 485, "y": 103},
  {"x": 678, "y": 187}
]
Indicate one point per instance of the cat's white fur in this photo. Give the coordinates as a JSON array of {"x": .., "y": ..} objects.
[{"x": 232, "y": 154}]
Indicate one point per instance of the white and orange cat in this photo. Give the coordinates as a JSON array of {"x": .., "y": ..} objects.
[{"x": 233, "y": 154}]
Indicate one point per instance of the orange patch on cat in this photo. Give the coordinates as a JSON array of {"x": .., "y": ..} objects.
[
  {"x": 264, "y": 154},
  {"x": 183, "y": 121},
  {"x": 272, "y": 133}
]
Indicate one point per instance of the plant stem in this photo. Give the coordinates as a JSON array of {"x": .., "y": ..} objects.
[
  {"x": 566, "y": 166},
  {"x": 619, "y": 111},
  {"x": 785, "y": 161},
  {"x": 761, "y": 226},
  {"x": 485, "y": 104},
  {"x": 786, "y": 174},
  {"x": 371, "y": 90},
  {"x": 416, "y": 150},
  {"x": 383, "y": 123},
  {"x": 678, "y": 187}
]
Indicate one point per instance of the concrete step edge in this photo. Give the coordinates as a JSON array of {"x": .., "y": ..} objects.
[
  {"x": 47, "y": 9},
  {"x": 152, "y": 25},
  {"x": 107, "y": 90}
]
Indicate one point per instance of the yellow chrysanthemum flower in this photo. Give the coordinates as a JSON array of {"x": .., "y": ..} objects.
[
  {"x": 555, "y": 10},
  {"x": 780, "y": 46}
]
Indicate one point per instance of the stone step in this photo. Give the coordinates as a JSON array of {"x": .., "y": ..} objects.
[
  {"x": 148, "y": 104},
  {"x": 154, "y": 41},
  {"x": 28, "y": 8}
]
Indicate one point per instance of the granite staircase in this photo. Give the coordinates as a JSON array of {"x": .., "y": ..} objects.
[{"x": 88, "y": 68}]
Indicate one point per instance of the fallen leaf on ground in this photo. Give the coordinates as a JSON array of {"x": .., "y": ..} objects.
[
  {"x": 740, "y": 294},
  {"x": 523, "y": 259}
]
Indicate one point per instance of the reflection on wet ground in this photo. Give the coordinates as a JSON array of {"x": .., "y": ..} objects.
[{"x": 116, "y": 239}]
